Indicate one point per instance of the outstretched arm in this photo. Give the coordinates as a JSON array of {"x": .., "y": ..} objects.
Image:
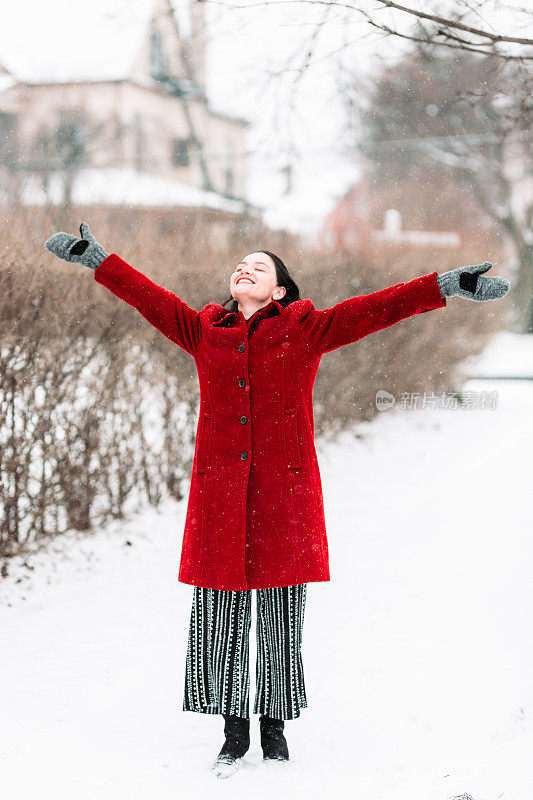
[
  {"x": 357, "y": 317},
  {"x": 161, "y": 307},
  {"x": 352, "y": 319}
]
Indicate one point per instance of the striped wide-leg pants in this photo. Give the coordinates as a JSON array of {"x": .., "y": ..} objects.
[{"x": 217, "y": 675}]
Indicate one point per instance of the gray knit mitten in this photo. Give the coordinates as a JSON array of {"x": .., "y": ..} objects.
[
  {"x": 467, "y": 282},
  {"x": 85, "y": 251}
]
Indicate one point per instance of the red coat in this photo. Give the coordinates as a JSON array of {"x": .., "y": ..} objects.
[{"x": 255, "y": 514}]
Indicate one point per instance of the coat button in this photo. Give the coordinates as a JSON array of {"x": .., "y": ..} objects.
[
  {"x": 242, "y": 348},
  {"x": 244, "y": 419},
  {"x": 242, "y": 382},
  {"x": 244, "y": 455}
]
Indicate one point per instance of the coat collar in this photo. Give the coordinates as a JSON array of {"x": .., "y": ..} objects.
[{"x": 228, "y": 317}]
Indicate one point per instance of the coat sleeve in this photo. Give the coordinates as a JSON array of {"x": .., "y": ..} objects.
[
  {"x": 161, "y": 307},
  {"x": 352, "y": 319}
]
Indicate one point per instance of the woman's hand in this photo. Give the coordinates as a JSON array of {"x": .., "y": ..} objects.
[
  {"x": 467, "y": 282},
  {"x": 85, "y": 251}
]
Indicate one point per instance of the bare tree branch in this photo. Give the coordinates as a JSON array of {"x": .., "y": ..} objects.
[
  {"x": 493, "y": 53},
  {"x": 454, "y": 24},
  {"x": 448, "y": 22}
]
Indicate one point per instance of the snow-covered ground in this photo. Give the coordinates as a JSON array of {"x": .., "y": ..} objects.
[{"x": 418, "y": 655}]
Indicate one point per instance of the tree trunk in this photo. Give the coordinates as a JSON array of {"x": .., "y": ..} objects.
[{"x": 522, "y": 291}]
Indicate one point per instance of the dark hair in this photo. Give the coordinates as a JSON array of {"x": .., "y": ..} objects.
[{"x": 283, "y": 279}]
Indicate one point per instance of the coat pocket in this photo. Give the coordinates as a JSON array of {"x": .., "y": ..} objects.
[
  {"x": 292, "y": 442},
  {"x": 205, "y": 441}
]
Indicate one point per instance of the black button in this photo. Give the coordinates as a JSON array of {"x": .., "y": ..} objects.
[
  {"x": 244, "y": 455},
  {"x": 242, "y": 382},
  {"x": 242, "y": 348},
  {"x": 244, "y": 419}
]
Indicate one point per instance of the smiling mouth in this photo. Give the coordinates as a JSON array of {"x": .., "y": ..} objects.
[{"x": 240, "y": 280}]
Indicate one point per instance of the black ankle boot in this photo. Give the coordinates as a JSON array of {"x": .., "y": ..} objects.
[
  {"x": 237, "y": 733},
  {"x": 273, "y": 742}
]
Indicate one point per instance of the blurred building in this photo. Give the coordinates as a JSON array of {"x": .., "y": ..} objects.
[
  {"x": 361, "y": 217},
  {"x": 114, "y": 110},
  {"x": 434, "y": 210}
]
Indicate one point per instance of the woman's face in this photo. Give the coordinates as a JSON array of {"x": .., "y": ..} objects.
[{"x": 255, "y": 281}]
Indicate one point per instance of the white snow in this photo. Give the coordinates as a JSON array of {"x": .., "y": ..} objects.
[
  {"x": 508, "y": 355},
  {"x": 121, "y": 186},
  {"x": 417, "y": 655}
]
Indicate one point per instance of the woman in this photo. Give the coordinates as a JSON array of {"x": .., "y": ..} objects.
[{"x": 255, "y": 515}]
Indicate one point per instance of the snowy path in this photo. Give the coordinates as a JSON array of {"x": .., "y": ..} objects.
[{"x": 417, "y": 655}]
